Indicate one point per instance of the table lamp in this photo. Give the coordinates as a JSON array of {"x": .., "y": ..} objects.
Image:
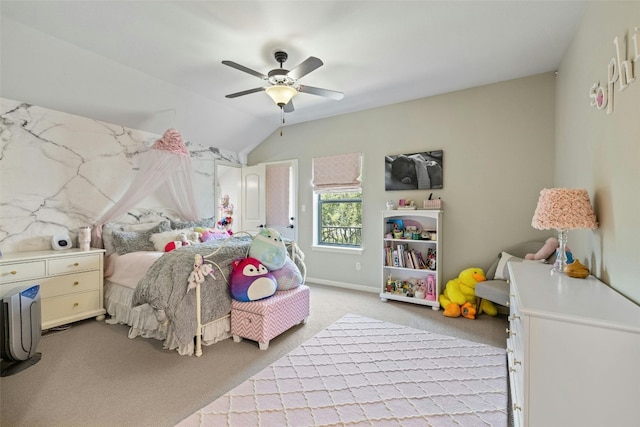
[{"x": 563, "y": 209}]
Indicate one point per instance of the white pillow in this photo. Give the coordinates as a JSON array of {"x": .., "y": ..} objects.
[
  {"x": 502, "y": 272},
  {"x": 160, "y": 240}
]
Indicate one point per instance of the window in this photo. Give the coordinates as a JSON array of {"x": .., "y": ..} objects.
[
  {"x": 338, "y": 200},
  {"x": 340, "y": 218}
]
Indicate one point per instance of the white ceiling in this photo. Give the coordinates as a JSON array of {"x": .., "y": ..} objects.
[{"x": 376, "y": 52}]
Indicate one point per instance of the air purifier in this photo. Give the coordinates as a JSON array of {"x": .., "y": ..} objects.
[{"x": 20, "y": 329}]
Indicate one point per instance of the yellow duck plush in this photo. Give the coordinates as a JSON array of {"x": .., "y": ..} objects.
[{"x": 459, "y": 296}]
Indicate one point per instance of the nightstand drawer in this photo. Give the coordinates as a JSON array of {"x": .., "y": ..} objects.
[
  {"x": 69, "y": 284},
  {"x": 72, "y": 264},
  {"x": 70, "y": 306},
  {"x": 21, "y": 271}
]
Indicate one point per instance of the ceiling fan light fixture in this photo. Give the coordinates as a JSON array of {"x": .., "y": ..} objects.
[{"x": 281, "y": 94}]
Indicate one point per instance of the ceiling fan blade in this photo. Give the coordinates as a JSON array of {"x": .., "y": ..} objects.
[
  {"x": 307, "y": 66},
  {"x": 321, "y": 92},
  {"x": 288, "y": 108},
  {"x": 244, "y": 92},
  {"x": 245, "y": 69}
]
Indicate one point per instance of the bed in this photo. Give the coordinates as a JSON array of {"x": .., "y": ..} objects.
[{"x": 147, "y": 289}]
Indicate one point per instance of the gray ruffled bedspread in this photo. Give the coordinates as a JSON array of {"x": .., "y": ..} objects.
[{"x": 164, "y": 287}]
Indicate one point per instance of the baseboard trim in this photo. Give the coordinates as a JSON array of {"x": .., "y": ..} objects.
[{"x": 342, "y": 285}]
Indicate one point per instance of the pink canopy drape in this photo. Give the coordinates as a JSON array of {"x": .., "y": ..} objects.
[{"x": 166, "y": 164}]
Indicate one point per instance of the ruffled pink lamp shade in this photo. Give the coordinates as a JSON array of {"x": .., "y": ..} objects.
[{"x": 563, "y": 209}]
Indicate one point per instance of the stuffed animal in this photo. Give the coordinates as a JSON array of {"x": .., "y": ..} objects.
[
  {"x": 577, "y": 269},
  {"x": 460, "y": 291},
  {"x": 549, "y": 248},
  {"x": 200, "y": 271},
  {"x": 250, "y": 280},
  {"x": 174, "y": 245},
  {"x": 267, "y": 247}
]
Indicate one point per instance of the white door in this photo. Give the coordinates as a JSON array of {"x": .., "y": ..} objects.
[{"x": 253, "y": 198}]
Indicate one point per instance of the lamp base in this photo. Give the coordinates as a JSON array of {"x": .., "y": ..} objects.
[{"x": 561, "y": 253}]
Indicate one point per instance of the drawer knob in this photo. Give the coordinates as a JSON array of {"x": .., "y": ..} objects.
[
  {"x": 76, "y": 283},
  {"x": 75, "y": 264},
  {"x": 14, "y": 272},
  {"x": 75, "y": 304}
]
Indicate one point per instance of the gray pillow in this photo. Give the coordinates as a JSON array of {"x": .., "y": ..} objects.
[
  {"x": 136, "y": 241},
  {"x": 107, "y": 232},
  {"x": 204, "y": 223}
]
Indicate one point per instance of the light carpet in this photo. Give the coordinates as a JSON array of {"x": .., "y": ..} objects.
[{"x": 365, "y": 372}]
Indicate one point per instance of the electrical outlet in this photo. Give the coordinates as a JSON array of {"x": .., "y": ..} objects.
[{"x": 358, "y": 266}]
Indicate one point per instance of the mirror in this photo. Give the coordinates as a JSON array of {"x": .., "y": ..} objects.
[{"x": 228, "y": 177}]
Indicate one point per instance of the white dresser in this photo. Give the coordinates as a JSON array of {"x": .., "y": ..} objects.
[
  {"x": 573, "y": 351},
  {"x": 70, "y": 282}
]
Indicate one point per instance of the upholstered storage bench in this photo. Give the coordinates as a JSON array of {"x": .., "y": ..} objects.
[{"x": 267, "y": 318}]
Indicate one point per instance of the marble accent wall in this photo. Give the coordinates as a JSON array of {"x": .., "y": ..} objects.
[{"x": 60, "y": 171}]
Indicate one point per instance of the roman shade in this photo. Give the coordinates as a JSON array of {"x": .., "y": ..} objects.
[{"x": 341, "y": 172}]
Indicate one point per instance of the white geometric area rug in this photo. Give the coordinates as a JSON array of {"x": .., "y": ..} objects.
[{"x": 365, "y": 372}]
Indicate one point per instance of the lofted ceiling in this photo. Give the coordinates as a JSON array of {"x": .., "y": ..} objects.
[{"x": 376, "y": 52}]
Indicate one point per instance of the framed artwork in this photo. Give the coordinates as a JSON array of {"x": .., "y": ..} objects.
[{"x": 415, "y": 171}]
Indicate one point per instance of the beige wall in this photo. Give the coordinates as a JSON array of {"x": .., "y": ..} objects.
[
  {"x": 601, "y": 152},
  {"x": 498, "y": 143}
]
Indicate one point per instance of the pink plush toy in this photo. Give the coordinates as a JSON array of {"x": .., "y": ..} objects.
[{"x": 546, "y": 251}]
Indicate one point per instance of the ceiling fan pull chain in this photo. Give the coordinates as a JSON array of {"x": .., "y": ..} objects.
[{"x": 282, "y": 114}]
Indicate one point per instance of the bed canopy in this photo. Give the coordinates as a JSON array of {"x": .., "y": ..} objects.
[{"x": 168, "y": 164}]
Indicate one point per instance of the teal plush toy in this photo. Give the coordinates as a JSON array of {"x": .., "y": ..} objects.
[{"x": 269, "y": 249}]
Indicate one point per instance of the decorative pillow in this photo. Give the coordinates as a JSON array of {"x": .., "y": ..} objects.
[
  {"x": 160, "y": 240},
  {"x": 136, "y": 241},
  {"x": 205, "y": 222},
  {"x": 502, "y": 272},
  {"x": 107, "y": 237},
  {"x": 267, "y": 247},
  {"x": 288, "y": 277},
  {"x": 143, "y": 226},
  {"x": 107, "y": 232},
  {"x": 250, "y": 280}
]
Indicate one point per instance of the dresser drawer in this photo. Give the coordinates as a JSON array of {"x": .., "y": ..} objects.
[
  {"x": 70, "y": 283},
  {"x": 21, "y": 271},
  {"x": 71, "y": 306},
  {"x": 73, "y": 264}
]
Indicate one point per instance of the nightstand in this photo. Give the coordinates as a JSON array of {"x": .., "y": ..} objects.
[{"x": 70, "y": 282}]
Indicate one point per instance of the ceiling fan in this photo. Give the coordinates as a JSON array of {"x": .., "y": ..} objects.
[{"x": 283, "y": 84}]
